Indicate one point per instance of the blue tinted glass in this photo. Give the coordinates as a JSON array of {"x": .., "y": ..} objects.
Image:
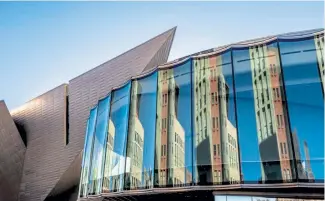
[
  {"x": 87, "y": 152},
  {"x": 216, "y": 150},
  {"x": 115, "y": 159},
  {"x": 303, "y": 68},
  {"x": 264, "y": 131},
  {"x": 248, "y": 142},
  {"x": 173, "y": 165},
  {"x": 96, "y": 172},
  {"x": 141, "y": 133}
]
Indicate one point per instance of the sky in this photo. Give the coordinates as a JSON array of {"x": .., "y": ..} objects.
[{"x": 45, "y": 44}]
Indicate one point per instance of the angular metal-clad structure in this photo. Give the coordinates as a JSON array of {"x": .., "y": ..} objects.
[
  {"x": 243, "y": 119},
  {"x": 55, "y": 121},
  {"x": 12, "y": 152}
]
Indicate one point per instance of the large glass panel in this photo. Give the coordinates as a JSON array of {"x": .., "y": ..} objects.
[
  {"x": 115, "y": 159},
  {"x": 256, "y": 198},
  {"x": 141, "y": 133},
  {"x": 264, "y": 132},
  {"x": 87, "y": 152},
  {"x": 173, "y": 161},
  {"x": 216, "y": 150},
  {"x": 319, "y": 43},
  {"x": 96, "y": 171},
  {"x": 302, "y": 71}
]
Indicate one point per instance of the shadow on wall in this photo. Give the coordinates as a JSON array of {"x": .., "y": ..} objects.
[
  {"x": 68, "y": 195},
  {"x": 22, "y": 132}
]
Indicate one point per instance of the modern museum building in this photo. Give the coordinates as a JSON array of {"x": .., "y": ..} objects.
[{"x": 244, "y": 121}]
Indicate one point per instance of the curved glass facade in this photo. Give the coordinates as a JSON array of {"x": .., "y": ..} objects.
[
  {"x": 173, "y": 165},
  {"x": 99, "y": 139},
  {"x": 216, "y": 152},
  {"x": 89, "y": 136},
  {"x": 141, "y": 134},
  {"x": 115, "y": 163},
  {"x": 247, "y": 114}
]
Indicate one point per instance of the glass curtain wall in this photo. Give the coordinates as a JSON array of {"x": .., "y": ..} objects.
[
  {"x": 264, "y": 131},
  {"x": 87, "y": 152},
  {"x": 216, "y": 152},
  {"x": 256, "y": 198},
  {"x": 98, "y": 151},
  {"x": 303, "y": 71},
  {"x": 250, "y": 114},
  {"x": 141, "y": 133},
  {"x": 115, "y": 159},
  {"x": 319, "y": 43},
  {"x": 173, "y": 161}
]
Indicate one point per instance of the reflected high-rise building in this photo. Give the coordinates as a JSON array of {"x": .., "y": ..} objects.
[
  {"x": 319, "y": 43},
  {"x": 271, "y": 116},
  {"x": 135, "y": 140},
  {"x": 170, "y": 135},
  {"x": 109, "y": 156},
  {"x": 303, "y": 166},
  {"x": 147, "y": 178},
  {"x": 296, "y": 150},
  {"x": 216, "y": 142},
  {"x": 309, "y": 172}
]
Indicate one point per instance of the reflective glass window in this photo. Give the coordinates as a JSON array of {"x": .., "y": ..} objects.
[
  {"x": 96, "y": 171},
  {"x": 87, "y": 152},
  {"x": 216, "y": 153},
  {"x": 141, "y": 133},
  {"x": 173, "y": 162},
  {"x": 303, "y": 72},
  {"x": 319, "y": 46},
  {"x": 264, "y": 131},
  {"x": 115, "y": 158},
  {"x": 256, "y": 198}
]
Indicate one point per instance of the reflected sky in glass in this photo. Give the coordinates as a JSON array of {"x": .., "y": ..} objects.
[
  {"x": 147, "y": 117},
  {"x": 96, "y": 172},
  {"x": 248, "y": 142},
  {"x": 119, "y": 116},
  {"x": 87, "y": 151},
  {"x": 182, "y": 76},
  {"x": 305, "y": 100},
  {"x": 227, "y": 72}
]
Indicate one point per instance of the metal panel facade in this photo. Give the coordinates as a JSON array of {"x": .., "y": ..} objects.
[
  {"x": 12, "y": 152},
  {"x": 48, "y": 159}
]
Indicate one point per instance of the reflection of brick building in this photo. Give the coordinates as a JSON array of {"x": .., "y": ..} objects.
[
  {"x": 319, "y": 43},
  {"x": 109, "y": 156},
  {"x": 271, "y": 115},
  {"x": 135, "y": 140},
  {"x": 170, "y": 135},
  {"x": 216, "y": 146}
]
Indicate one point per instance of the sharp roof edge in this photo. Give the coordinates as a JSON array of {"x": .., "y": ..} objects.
[{"x": 170, "y": 31}]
